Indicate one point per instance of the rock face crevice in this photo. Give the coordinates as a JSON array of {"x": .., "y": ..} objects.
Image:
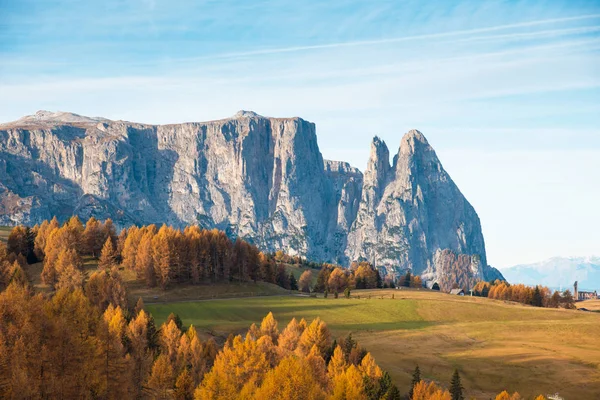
[{"x": 263, "y": 179}]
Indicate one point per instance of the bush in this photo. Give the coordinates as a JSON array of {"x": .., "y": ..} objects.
[{"x": 347, "y": 292}]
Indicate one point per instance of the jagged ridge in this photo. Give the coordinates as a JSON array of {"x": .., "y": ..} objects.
[{"x": 261, "y": 178}]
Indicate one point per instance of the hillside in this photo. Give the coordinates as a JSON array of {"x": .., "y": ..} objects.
[
  {"x": 260, "y": 178},
  {"x": 496, "y": 345},
  {"x": 558, "y": 272}
]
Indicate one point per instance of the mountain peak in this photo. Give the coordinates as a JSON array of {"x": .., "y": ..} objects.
[
  {"x": 56, "y": 117},
  {"x": 246, "y": 114}
]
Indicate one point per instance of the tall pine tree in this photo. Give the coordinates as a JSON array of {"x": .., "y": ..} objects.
[
  {"x": 416, "y": 378},
  {"x": 456, "y": 389}
]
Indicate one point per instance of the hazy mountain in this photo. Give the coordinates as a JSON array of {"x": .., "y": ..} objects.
[
  {"x": 558, "y": 272},
  {"x": 263, "y": 179}
]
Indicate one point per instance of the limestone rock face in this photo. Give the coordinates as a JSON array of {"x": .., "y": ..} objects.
[
  {"x": 263, "y": 179},
  {"x": 412, "y": 210}
]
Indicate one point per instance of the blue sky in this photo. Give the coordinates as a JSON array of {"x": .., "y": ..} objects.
[{"x": 507, "y": 92}]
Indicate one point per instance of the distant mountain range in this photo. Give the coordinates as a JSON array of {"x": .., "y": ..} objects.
[{"x": 558, "y": 272}]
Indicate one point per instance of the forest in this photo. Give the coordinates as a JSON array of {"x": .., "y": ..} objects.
[{"x": 538, "y": 296}]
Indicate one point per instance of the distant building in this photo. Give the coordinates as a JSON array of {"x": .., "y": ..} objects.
[
  {"x": 457, "y": 292},
  {"x": 583, "y": 295}
]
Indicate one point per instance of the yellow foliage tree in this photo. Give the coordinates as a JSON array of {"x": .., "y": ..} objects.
[
  {"x": 317, "y": 334},
  {"x": 161, "y": 379},
  {"x": 290, "y": 380},
  {"x": 507, "y": 396},
  {"x": 349, "y": 385},
  {"x": 429, "y": 391},
  {"x": 268, "y": 327},
  {"x": 234, "y": 366},
  {"x": 337, "y": 364}
]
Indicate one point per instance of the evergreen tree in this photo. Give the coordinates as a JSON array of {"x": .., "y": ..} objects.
[
  {"x": 537, "y": 297},
  {"x": 293, "y": 282},
  {"x": 456, "y": 388},
  {"x": 407, "y": 279},
  {"x": 416, "y": 378},
  {"x": 436, "y": 286},
  {"x": 392, "y": 394}
]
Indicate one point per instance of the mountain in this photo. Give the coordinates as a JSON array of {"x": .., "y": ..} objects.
[
  {"x": 263, "y": 179},
  {"x": 558, "y": 272}
]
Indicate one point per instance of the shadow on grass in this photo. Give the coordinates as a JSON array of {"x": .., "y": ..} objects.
[{"x": 383, "y": 326}]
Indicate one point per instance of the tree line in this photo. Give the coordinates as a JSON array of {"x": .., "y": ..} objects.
[
  {"x": 161, "y": 256},
  {"x": 538, "y": 296},
  {"x": 335, "y": 279}
]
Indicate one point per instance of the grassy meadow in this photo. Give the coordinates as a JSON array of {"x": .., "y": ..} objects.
[{"x": 496, "y": 345}]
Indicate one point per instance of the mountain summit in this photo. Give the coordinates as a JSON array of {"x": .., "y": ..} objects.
[{"x": 263, "y": 179}]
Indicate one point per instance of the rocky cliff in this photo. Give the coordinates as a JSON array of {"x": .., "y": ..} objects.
[{"x": 263, "y": 179}]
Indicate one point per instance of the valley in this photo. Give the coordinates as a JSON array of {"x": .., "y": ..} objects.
[{"x": 496, "y": 345}]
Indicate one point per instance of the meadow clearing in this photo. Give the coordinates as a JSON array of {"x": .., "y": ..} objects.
[{"x": 495, "y": 345}]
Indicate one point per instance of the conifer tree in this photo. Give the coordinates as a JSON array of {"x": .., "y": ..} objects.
[
  {"x": 456, "y": 388},
  {"x": 161, "y": 379},
  {"x": 293, "y": 282},
  {"x": 139, "y": 306},
  {"x": 184, "y": 386},
  {"x": 537, "y": 297},
  {"x": 108, "y": 255},
  {"x": 416, "y": 378},
  {"x": 175, "y": 318},
  {"x": 407, "y": 279}
]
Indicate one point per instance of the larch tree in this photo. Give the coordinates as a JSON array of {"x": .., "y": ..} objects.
[
  {"x": 290, "y": 380},
  {"x": 141, "y": 357},
  {"x": 169, "y": 341},
  {"x": 289, "y": 338},
  {"x": 161, "y": 379},
  {"x": 337, "y": 280},
  {"x": 108, "y": 255},
  {"x": 349, "y": 385},
  {"x": 337, "y": 365},
  {"x": 92, "y": 237},
  {"x": 184, "y": 386},
  {"x": 268, "y": 327},
  {"x": 317, "y": 334},
  {"x": 144, "y": 260},
  {"x": 234, "y": 366},
  {"x": 305, "y": 281}
]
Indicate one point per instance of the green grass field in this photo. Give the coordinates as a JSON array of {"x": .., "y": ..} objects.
[{"x": 496, "y": 345}]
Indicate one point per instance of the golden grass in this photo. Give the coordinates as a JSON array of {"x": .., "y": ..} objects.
[{"x": 593, "y": 305}]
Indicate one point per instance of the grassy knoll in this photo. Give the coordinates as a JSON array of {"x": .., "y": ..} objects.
[{"x": 496, "y": 345}]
